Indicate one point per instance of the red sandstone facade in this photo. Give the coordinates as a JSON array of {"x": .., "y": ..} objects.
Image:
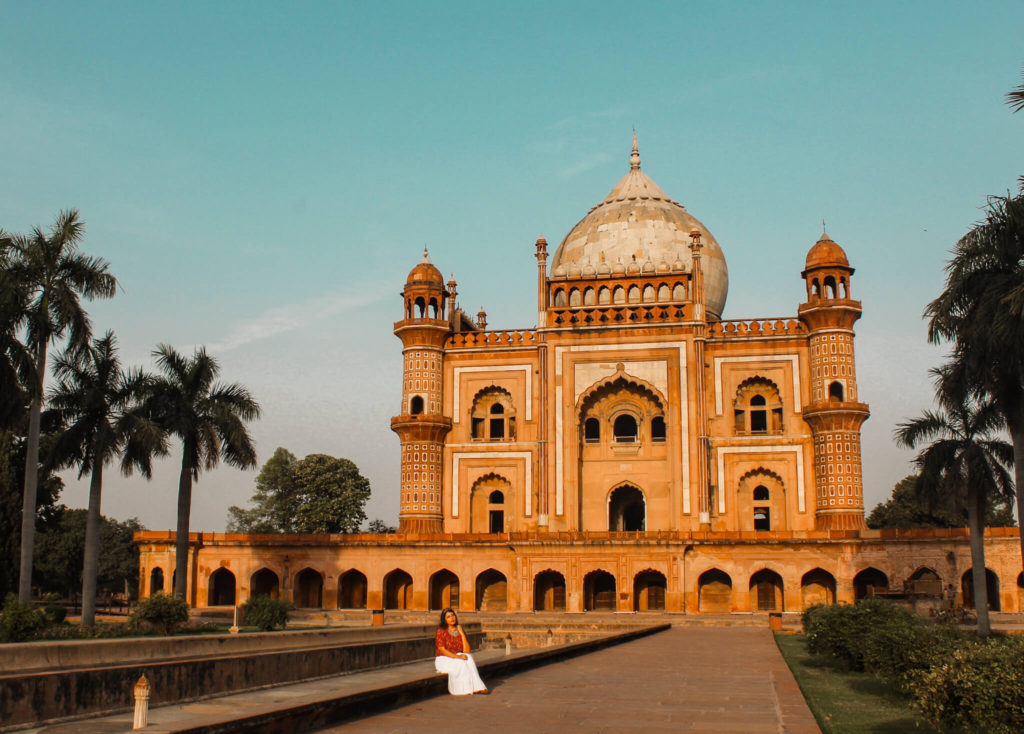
[{"x": 633, "y": 451}]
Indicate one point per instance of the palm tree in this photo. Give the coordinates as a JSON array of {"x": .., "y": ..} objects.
[
  {"x": 981, "y": 311},
  {"x": 16, "y": 364},
  {"x": 963, "y": 465},
  {"x": 1015, "y": 98},
  {"x": 95, "y": 400},
  {"x": 209, "y": 419},
  {"x": 56, "y": 275}
]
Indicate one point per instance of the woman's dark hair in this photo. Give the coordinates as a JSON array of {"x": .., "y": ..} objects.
[{"x": 444, "y": 613}]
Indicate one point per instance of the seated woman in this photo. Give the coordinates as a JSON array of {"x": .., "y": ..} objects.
[{"x": 454, "y": 659}]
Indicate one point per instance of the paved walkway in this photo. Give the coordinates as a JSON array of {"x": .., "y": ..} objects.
[{"x": 699, "y": 680}]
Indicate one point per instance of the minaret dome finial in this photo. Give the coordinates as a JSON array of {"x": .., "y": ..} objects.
[{"x": 634, "y": 158}]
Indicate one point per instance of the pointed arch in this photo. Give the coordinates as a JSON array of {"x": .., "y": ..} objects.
[
  {"x": 485, "y": 514},
  {"x": 221, "y": 588},
  {"x": 620, "y": 380},
  {"x": 549, "y": 591},
  {"x": 444, "y": 590},
  {"x": 491, "y": 591},
  {"x": 649, "y": 588},
  {"x": 265, "y": 582},
  {"x": 757, "y": 407},
  {"x": 599, "y": 591},
  {"x": 817, "y": 586},
  {"x": 714, "y": 592}
]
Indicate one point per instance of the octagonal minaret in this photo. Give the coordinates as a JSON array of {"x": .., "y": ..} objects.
[
  {"x": 834, "y": 413},
  {"x": 420, "y": 426}
]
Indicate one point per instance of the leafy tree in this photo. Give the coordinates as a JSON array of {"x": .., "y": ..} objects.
[
  {"x": 333, "y": 494},
  {"x": 379, "y": 526},
  {"x": 905, "y": 510},
  {"x": 208, "y": 418},
  {"x": 964, "y": 466},
  {"x": 12, "y": 480},
  {"x": 275, "y": 502},
  {"x": 95, "y": 400},
  {"x": 17, "y": 368},
  {"x": 55, "y": 275},
  {"x": 318, "y": 494},
  {"x": 981, "y": 311},
  {"x": 60, "y": 553}
]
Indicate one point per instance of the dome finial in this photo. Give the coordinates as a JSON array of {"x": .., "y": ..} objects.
[
  {"x": 425, "y": 259},
  {"x": 634, "y": 158}
]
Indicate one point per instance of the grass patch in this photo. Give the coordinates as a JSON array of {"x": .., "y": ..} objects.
[{"x": 844, "y": 702}]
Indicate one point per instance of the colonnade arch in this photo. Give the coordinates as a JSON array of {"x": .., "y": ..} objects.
[
  {"x": 991, "y": 585},
  {"x": 491, "y": 591},
  {"x": 599, "y": 592},
  {"x": 309, "y": 589},
  {"x": 221, "y": 590},
  {"x": 444, "y": 590},
  {"x": 397, "y": 590},
  {"x": 352, "y": 587}
]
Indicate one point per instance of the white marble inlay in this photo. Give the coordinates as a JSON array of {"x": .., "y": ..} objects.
[
  {"x": 526, "y": 456},
  {"x": 793, "y": 358},
  {"x": 457, "y": 377},
  {"x": 798, "y": 450}
]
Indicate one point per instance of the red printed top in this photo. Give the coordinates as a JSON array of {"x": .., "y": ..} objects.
[{"x": 448, "y": 642}]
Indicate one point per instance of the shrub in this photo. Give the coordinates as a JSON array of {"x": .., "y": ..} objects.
[
  {"x": 163, "y": 612},
  {"x": 977, "y": 687},
  {"x": 55, "y": 613},
  {"x": 871, "y": 635},
  {"x": 266, "y": 613},
  {"x": 20, "y": 622}
]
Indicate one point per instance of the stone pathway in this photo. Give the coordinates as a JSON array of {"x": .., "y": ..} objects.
[{"x": 686, "y": 679}]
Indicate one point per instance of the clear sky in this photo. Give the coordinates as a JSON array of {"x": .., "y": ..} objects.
[{"x": 262, "y": 177}]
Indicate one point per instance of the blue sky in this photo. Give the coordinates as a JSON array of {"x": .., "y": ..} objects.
[{"x": 262, "y": 176}]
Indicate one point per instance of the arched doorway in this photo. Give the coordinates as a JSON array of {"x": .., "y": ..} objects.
[
  {"x": 156, "y": 581},
  {"x": 649, "y": 591},
  {"x": 309, "y": 589},
  {"x": 598, "y": 592},
  {"x": 265, "y": 583},
  {"x": 444, "y": 590},
  {"x": 491, "y": 591},
  {"x": 490, "y": 505},
  {"x": 627, "y": 510},
  {"x": 714, "y": 592},
  {"x": 352, "y": 590},
  {"x": 869, "y": 582},
  {"x": 925, "y": 582},
  {"x": 221, "y": 591},
  {"x": 397, "y": 590},
  {"x": 817, "y": 586},
  {"x": 549, "y": 592},
  {"x": 766, "y": 591},
  {"x": 991, "y": 586}
]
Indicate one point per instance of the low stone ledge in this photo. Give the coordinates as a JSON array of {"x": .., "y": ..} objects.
[{"x": 189, "y": 674}]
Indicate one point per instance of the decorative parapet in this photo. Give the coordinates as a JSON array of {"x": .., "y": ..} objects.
[
  {"x": 498, "y": 339},
  {"x": 756, "y": 327},
  {"x": 621, "y": 314}
]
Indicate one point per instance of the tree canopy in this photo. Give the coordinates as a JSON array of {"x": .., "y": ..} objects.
[
  {"x": 317, "y": 494},
  {"x": 905, "y": 510}
]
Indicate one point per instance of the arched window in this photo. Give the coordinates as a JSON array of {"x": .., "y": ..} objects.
[
  {"x": 761, "y": 493},
  {"x": 604, "y": 296},
  {"x": 493, "y": 416},
  {"x": 664, "y": 293},
  {"x": 559, "y": 298},
  {"x": 835, "y": 392},
  {"x": 679, "y": 292},
  {"x": 416, "y": 405},
  {"x": 574, "y": 297},
  {"x": 421, "y": 307},
  {"x": 592, "y": 430},
  {"x": 625, "y": 430},
  {"x": 496, "y": 512},
  {"x": 757, "y": 407},
  {"x": 830, "y": 287},
  {"x": 589, "y": 297},
  {"x": 433, "y": 308},
  {"x": 627, "y": 511},
  {"x": 490, "y": 498},
  {"x": 634, "y": 294},
  {"x": 619, "y": 295},
  {"x": 156, "y": 581},
  {"x": 649, "y": 296},
  {"x": 843, "y": 292},
  {"x": 658, "y": 429}
]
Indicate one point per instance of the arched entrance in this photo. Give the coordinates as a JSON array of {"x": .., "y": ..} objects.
[
  {"x": 598, "y": 592},
  {"x": 352, "y": 590},
  {"x": 991, "y": 586},
  {"x": 714, "y": 592},
  {"x": 444, "y": 590},
  {"x": 265, "y": 583},
  {"x": 491, "y": 591},
  {"x": 925, "y": 582},
  {"x": 766, "y": 591},
  {"x": 309, "y": 589},
  {"x": 397, "y": 590},
  {"x": 549, "y": 592},
  {"x": 649, "y": 591},
  {"x": 221, "y": 592},
  {"x": 817, "y": 587},
  {"x": 869, "y": 582},
  {"x": 627, "y": 510},
  {"x": 156, "y": 581}
]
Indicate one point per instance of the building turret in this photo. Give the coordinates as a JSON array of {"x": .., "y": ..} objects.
[
  {"x": 834, "y": 413},
  {"x": 421, "y": 427}
]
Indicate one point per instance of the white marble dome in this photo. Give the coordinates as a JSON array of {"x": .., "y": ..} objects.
[{"x": 638, "y": 221}]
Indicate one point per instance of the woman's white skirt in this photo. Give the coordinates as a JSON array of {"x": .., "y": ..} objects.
[{"x": 462, "y": 676}]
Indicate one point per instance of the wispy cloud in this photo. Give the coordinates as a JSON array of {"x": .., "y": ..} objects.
[{"x": 295, "y": 316}]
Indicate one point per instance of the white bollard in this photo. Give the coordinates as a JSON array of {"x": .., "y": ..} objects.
[
  {"x": 141, "y": 719},
  {"x": 508, "y": 644},
  {"x": 234, "y": 625}
]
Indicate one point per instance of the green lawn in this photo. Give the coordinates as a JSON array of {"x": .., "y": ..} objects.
[{"x": 848, "y": 703}]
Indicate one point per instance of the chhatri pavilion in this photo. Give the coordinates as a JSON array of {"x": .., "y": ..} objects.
[{"x": 633, "y": 451}]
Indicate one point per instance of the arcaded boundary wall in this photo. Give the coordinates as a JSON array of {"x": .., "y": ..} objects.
[{"x": 43, "y": 682}]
